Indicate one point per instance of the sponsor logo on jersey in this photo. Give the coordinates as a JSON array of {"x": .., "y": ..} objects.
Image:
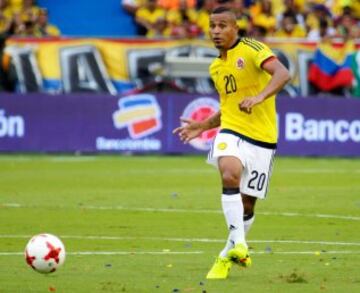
[
  {"x": 200, "y": 109},
  {"x": 141, "y": 114}
]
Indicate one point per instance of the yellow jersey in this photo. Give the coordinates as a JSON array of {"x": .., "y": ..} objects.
[
  {"x": 47, "y": 31},
  {"x": 297, "y": 32},
  {"x": 152, "y": 17},
  {"x": 241, "y": 76},
  {"x": 175, "y": 17}
]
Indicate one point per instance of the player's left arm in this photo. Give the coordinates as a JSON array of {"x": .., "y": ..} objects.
[{"x": 280, "y": 76}]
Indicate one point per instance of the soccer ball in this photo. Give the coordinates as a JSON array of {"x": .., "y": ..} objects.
[{"x": 45, "y": 253}]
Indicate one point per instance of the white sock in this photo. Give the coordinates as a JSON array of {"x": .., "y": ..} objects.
[
  {"x": 229, "y": 244},
  {"x": 233, "y": 211},
  {"x": 248, "y": 221}
]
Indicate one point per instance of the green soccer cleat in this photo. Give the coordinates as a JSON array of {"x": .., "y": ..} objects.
[
  {"x": 220, "y": 269},
  {"x": 240, "y": 255}
]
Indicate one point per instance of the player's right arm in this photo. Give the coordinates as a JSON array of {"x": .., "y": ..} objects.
[{"x": 191, "y": 128}]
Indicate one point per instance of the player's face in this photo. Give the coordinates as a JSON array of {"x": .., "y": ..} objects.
[{"x": 223, "y": 30}]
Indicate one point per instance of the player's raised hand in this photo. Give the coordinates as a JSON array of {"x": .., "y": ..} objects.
[
  {"x": 188, "y": 130},
  {"x": 247, "y": 104}
]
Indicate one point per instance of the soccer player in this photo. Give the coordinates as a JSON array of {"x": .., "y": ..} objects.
[{"x": 247, "y": 75}]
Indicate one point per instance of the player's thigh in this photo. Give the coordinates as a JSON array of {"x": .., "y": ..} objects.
[
  {"x": 227, "y": 157},
  {"x": 225, "y": 145},
  {"x": 256, "y": 176}
]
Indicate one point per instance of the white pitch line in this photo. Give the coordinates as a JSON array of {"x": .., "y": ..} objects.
[
  {"x": 308, "y": 252},
  {"x": 72, "y": 159},
  {"x": 324, "y": 216},
  {"x": 339, "y": 252},
  {"x": 316, "y": 171},
  {"x": 194, "y": 211},
  {"x": 116, "y": 253},
  {"x": 135, "y": 252},
  {"x": 174, "y": 239}
]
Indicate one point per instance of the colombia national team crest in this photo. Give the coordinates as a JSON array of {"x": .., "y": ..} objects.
[
  {"x": 240, "y": 63},
  {"x": 141, "y": 114},
  {"x": 199, "y": 110},
  {"x": 222, "y": 146}
]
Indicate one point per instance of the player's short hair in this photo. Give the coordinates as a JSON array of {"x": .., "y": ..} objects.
[
  {"x": 224, "y": 1},
  {"x": 222, "y": 9}
]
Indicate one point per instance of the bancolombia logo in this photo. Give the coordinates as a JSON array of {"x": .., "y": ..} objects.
[
  {"x": 297, "y": 128},
  {"x": 141, "y": 116},
  {"x": 11, "y": 126},
  {"x": 199, "y": 110}
]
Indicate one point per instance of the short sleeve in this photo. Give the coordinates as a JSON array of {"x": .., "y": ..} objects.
[{"x": 263, "y": 54}]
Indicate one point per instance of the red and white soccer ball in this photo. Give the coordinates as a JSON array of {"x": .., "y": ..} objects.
[{"x": 45, "y": 253}]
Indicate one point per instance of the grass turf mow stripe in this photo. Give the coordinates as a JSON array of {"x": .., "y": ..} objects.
[
  {"x": 166, "y": 210},
  {"x": 202, "y": 240}
]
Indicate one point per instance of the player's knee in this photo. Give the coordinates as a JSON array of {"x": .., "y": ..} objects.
[
  {"x": 230, "y": 179},
  {"x": 248, "y": 208},
  {"x": 249, "y": 205}
]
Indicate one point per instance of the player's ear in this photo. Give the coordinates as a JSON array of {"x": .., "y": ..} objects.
[{"x": 237, "y": 28}]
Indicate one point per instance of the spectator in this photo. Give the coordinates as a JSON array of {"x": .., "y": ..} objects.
[
  {"x": 26, "y": 18},
  {"x": 26, "y": 29},
  {"x": 153, "y": 18},
  {"x": 291, "y": 7},
  {"x": 29, "y": 11},
  {"x": 324, "y": 31},
  {"x": 337, "y": 6},
  {"x": 183, "y": 21},
  {"x": 5, "y": 18},
  {"x": 258, "y": 32},
  {"x": 290, "y": 28},
  {"x": 264, "y": 17},
  {"x": 6, "y": 9},
  {"x": 347, "y": 25},
  {"x": 176, "y": 4},
  {"x": 131, "y": 6},
  {"x": 203, "y": 16},
  {"x": 317, "y": 12},
  {"x": 5, "y": 24},
  {"x": 15, "y": 5},
  {"x": 243, "y": 18},
  {"x": 43, "y": 27}
]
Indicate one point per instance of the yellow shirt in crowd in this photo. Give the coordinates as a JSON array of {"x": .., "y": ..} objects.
[{"x": 152, "y": 17}]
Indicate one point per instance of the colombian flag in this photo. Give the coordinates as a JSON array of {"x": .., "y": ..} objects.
[{"x": 332, "y": 66}]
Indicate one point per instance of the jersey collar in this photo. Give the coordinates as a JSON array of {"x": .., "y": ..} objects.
[{"x": 233, "y": 46}]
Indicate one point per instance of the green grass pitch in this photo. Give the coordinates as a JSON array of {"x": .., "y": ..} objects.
[{"x": 154, "y": 224}]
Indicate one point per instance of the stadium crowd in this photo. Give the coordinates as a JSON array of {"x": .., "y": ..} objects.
[
  {"x": 314, "y": 19},
  {"x": 25, "y": 18}
]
